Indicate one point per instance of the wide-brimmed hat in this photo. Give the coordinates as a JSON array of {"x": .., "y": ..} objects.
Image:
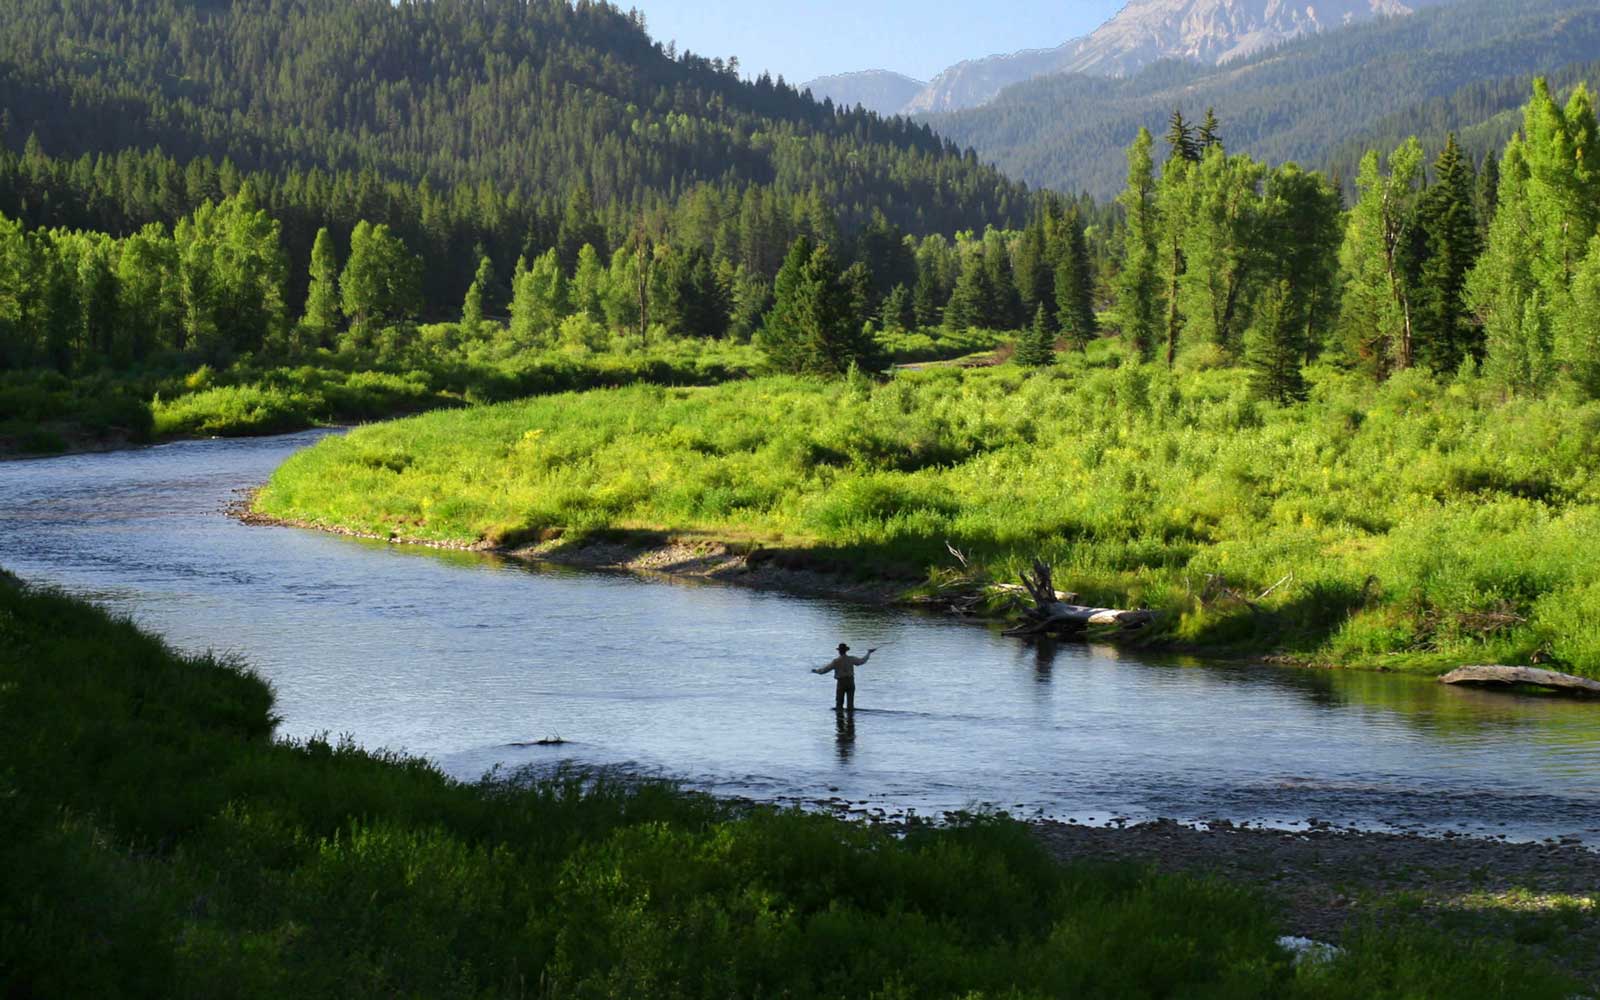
[{"x": 843, "y": 648}]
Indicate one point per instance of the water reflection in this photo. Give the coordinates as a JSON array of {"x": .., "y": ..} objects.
[{"x": 844, "y": 737}]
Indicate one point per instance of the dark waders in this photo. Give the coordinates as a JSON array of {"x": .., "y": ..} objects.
[{"x": 843, "y": 691}]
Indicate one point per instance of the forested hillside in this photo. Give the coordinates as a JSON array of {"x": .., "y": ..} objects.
[
  {"x": 517, "y": 126},
  {"x": 1317, "y": 101}
]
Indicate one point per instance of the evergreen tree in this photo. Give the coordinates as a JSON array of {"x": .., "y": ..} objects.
[
  {"x": 1181, "y": 144},
  {"x": 1448, "y": 227},
  {"x": 1005, "y": 303},
  {"x": 1036, "y": 348},
  {"x": 1075, "y": 289},
  {"x": 897, "y": 314},
  {"x": 1276, "y": 348},
  {"x": 321, "y": 318},
  {"x": 1035, "y": 274},
  {"x": 811, "y": 328},
  {"x": 971, "y": 302},
  {"x": 1486, "y": 195},
  {"x": 1138, "y": 282},
  {"x": 1210, "y": 137}
]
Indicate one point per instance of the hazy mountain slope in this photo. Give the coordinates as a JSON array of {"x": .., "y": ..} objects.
[
  {"x": 1147, "y": 31},
  {"x": 1299, "y": 101},
  {"x": 874, "y": 89}
]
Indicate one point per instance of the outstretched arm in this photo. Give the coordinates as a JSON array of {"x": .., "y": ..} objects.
[
  {"x": 823, "y": 670},
  {"x": 861, "y": 660}
]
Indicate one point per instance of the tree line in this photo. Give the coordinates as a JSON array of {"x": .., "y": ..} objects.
[
  {"x": 1436, "y": 269},
  {"x": 508, "y": 124}
]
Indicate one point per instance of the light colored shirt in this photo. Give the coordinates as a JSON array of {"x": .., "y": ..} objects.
[{"x": 844, "y": 666}]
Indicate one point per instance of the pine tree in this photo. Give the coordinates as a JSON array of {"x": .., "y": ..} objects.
[
  {"x": 1487, "y": 194},
  {"x": 1138, "y": 283},
  {"x": 1209, "y": 136},
  {"x": 322, "y": 313},
  {"x": 1005, "y": 303},
  {"x": 1035, "y": 275},
  {"x": 812, "y": 328},
  {"x": 1180, "y": 139},
  {"x": 1276, "y": 347},
  {"x": 1448, "y": 230},
  {"x": 1036, "y": 348},
  {"x": 1075, "y": 289},
  {"x": 896, "y": 314},
  {"x": 972, "y": 301}
]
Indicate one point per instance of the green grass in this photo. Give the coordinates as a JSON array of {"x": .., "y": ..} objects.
[
  {"x": 433, "y": 367},
  {"x": 1424, "y": 523},
  {"x": 160, "y": 843}
]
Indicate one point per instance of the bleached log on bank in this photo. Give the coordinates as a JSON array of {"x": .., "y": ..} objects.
[
  {"x": 1523, "y": 675},
  {"x": 1051, "y": 614}
]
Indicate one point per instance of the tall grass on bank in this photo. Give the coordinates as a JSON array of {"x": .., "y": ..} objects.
[
  {"x": 1424, "y": 523},
  {"x": 160, "y": 843},
  {"x": 433, "y": 367}
]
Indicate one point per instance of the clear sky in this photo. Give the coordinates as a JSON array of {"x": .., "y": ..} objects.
[{"x": 919, "y": 38}]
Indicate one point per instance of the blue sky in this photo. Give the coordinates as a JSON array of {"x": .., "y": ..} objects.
[{"x": 915, "y": 37}]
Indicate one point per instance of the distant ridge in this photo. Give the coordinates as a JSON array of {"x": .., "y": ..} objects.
[
  {"x": 1209, "y": 32},
  {"x": 874, "y": 89},
  {"x": 1319, "y": 100}
]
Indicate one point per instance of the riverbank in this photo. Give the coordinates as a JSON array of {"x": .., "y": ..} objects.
[
  {"x": 1410, "y": 526},
  {"x": 162, "y": 843}
]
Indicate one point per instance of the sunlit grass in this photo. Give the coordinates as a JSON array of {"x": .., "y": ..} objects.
[{"x": 1416, "y": 524}]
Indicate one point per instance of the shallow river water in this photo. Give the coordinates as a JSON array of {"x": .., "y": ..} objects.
[{"x": 459, "y": 657}]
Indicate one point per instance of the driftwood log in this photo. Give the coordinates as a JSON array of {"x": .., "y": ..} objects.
[
  {"x": 1056, "y": 613},
  {"x": 1523, "y": 675}
]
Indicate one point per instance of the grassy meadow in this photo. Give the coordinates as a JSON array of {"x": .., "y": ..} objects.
[
  {"x": 1415, "y": 524},
  {"x": 159, "y": 842}
]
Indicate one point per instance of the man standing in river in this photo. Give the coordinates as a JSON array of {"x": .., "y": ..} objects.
[{"x": 843, "y": 667}]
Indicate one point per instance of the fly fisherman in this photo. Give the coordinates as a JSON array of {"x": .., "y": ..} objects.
[{"x": 843, "y": 667}]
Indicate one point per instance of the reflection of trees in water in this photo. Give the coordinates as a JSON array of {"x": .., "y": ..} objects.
[{"x": 1420, "y": 703}]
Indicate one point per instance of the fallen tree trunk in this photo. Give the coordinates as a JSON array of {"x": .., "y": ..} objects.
[
  {"x": 1053, "y": 613},
  {"x": 1523, "y": 675}
]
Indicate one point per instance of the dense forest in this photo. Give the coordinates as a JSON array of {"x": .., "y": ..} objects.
[
  {"x": 1320, "y": 101},
  {"x": 500, "y": 127}
]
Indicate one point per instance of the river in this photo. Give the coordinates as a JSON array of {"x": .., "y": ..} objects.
[{"x": 460, "y": 657}]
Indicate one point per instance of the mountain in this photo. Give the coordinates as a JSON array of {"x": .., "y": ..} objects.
[
  {"x": 875, "y": 89},
  {"x": 1210, "y": 32},
  {"x": 1310, "y": 100}
]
